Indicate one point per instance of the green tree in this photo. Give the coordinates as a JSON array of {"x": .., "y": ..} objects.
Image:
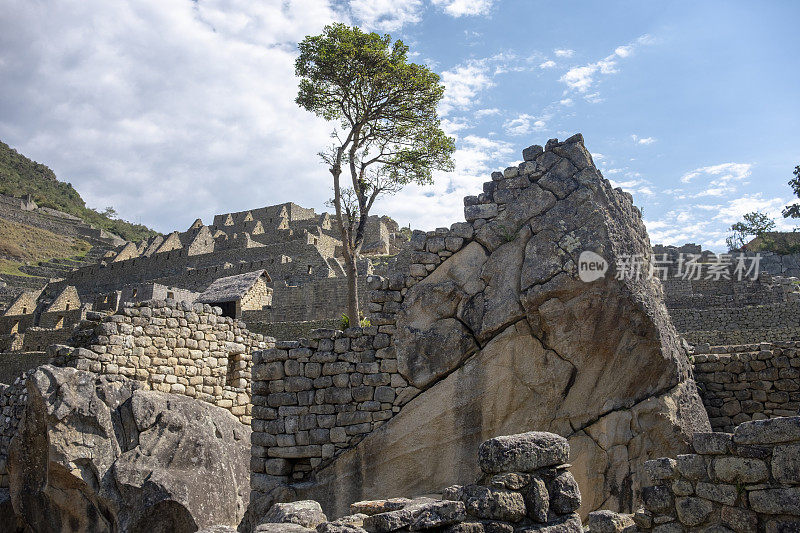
[
  {"x": 754, "y": 223},
  {"x": 387, "y": 133},
  {"x": 793, "y": 211}
]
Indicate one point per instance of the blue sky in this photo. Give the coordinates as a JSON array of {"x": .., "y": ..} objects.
[{"x": 173, "y": 110}]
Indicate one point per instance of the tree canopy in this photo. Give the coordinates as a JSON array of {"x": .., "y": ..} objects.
[
  {"x": 754, "y": 223},
  {"x": 387, "y": 132}
]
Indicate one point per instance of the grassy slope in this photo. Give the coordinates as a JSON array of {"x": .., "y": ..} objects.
[
  {"x": 20, "y": 244},
  {"x": 20, "y": 175}
]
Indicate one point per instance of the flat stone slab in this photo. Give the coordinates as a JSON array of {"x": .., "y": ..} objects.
[{"x": 773, "y": 430}]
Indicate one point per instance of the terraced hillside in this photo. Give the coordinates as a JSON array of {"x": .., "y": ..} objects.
[{"x": 31, "y": 256}]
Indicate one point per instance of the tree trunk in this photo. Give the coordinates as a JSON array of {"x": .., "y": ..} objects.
[{"x": 352, "y": 290}]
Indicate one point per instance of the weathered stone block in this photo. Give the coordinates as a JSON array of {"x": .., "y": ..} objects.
[
  {"x": 525, "y": 452},
  {"x": 474, "y": 212},
  {"x": 693, "y": 511}
]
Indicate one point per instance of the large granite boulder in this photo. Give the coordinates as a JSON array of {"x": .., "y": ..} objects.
[
  {"x": 505, "y": 337},
  {"x": 95, "y": 453}
]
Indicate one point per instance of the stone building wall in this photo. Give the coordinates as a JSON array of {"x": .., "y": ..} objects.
[
  {"x": 196, "y": 272},
  {"x": 742, "y": 336},
  {"x": 316, "y": 397},
  {"x": 705, "y": 293},
  {"x": 61, "y": 319},
  {"x": 12, "y": 364},
  {"x": 749, "y": 382},
  {"x": 16, "y": 323},
  {"x": 744, "y": 481},
  {"x": 174, "y": 347},
  {"x": 291, "y": 330},
  {"x": 37, "y": 339},
  {"x": 314, "y": 300}
]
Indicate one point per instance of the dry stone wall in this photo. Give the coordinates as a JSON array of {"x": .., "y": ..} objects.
[
  {"x": 13, "y": 398},
  {"x": 316, "y": 397},
  {"x": 709, "y": 293},
  {"x": 313, "y": 300},
  {"x": 738, "y": 325},
  {"x": 745, "y": 481},
  {"x": 175, "y": 347},
  {"x": 290, "y": 330},
  {"x": 748, "y": 382}
]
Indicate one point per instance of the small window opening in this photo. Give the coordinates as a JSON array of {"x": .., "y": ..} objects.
[
  {"x": 170, "y": 295},
  {"x": 135, "y": 293},
  {"x": 309, "y": 269}
]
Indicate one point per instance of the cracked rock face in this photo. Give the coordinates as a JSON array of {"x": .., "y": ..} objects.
[
  {"x": 100, "y": 454},
  {"x": 503, "y": 337}
]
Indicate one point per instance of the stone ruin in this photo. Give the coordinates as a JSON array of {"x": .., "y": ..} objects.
[
  {"x": 484, "y": 329},
  {"x": 299, "y": 249}
]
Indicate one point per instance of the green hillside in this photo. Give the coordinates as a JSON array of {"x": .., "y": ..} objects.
[{"x": 20, "y": 175}]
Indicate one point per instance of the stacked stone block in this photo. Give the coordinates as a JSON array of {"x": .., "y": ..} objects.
[
  {"x": 12, "y": 405},
  {"x": 174, "y": 347},
  {"x": 526, "y": 487},
  {"x": 748, "y": 382},
  {"x": 316, "y": 397},
  {"x": 744, "y": 481}
]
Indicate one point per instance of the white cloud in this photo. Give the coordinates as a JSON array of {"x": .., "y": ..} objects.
[
  {"x": 593, "y": 98},
  {"x": 487, "y": 112},
  {"x": 453, "y": 126},
  {"x": 167, "y": 111},
  {"x": 566, "y": 102},
  {"x": 643, "y": 140},
  {"x": 733, "y": 211},
  {"x": 386, "y": 15},
  {"x": 693, "y": 223},
  {"x": 633, "y": 186},
  {"x": 463, "y": 85},
  {"x": 564, "y": 52},
  {"x": 523, "y": 124},
  {"x": 581, "y": 78},
  {"x": 721, "y": 174},
  {"x": 460, "y": 8},
  {"x": 623, "y": 51},
  {"x": 547, "y": 64}
]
